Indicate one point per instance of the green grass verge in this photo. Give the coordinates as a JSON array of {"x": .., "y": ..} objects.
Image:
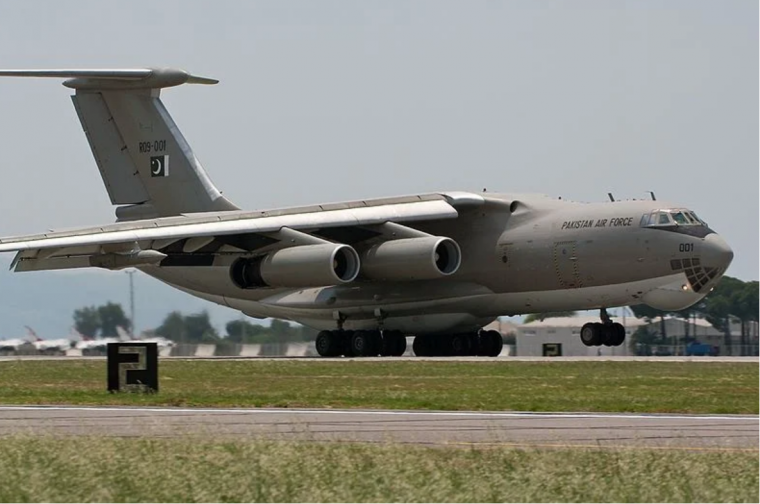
[
  {"x": 93, "y": 469},
  {"x": 524, "y": 386}
]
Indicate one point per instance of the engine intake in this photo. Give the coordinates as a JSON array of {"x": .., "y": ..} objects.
[
  {"x": 422, "y": 258},
  {"x": 302, "y": 266}
]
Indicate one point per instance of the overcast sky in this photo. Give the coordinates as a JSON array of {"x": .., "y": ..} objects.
[{"x": 328, "y": 101}]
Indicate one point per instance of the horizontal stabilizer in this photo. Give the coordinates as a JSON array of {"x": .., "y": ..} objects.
[{"x": 129, "y": 78}]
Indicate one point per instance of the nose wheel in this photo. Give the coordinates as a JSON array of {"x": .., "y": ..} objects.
[{"x": 607, "y": 332}]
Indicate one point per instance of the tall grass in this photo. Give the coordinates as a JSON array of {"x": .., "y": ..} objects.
[{"x": 195, "y": 469}]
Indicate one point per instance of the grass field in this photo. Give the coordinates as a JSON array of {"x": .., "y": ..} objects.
[
  {"x": 525, "y": 386},
  {"x": 190, "y": 470}
]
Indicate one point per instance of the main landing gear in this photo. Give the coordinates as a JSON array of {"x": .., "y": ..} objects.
[
  {"x": 361, "y": 343},
  {"x": 607, "y": 332},
  {"x": 482, "y": 343},
  {"x": 393, "y": 344}
]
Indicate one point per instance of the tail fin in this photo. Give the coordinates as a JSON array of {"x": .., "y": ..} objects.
[
  {"x": 123, "y": 334},
  {"x": 143, "y": 158},
  {"x": 31, "y": 335}
]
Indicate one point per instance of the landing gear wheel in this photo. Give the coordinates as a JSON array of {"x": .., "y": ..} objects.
[
  {"x": 491, "y": 344},
  {"x": 366, "y": 343},
  {"x": 608, "y": 335},
  {"x": 422, "y": 346},
  {"x": 394, "y": 344},
  {"x": 459, "y": 344},
  {"x": 345, "y": 343},
  {"x": 328, "y": 344},
  {"x": 591, "y": 334},
  {"x": 617, "y": 334},
  {"x": 474, "y": 344}
]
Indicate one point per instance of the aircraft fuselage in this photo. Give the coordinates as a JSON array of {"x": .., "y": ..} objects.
[{"x": 520, "y": 254}]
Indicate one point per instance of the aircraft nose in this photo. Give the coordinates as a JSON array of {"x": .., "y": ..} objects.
[{"x": 716, "y": 253}]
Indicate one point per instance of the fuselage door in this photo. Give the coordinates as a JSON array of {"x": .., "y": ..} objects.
[{"x": 565, "y": 257}]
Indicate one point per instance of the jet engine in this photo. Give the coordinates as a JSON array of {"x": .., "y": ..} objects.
[
  {"x": 302, "y": 266},
  {"x": 422, "y": 258}
]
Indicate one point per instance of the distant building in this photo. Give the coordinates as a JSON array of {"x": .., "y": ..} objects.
[{"x": 561, "y": 335}]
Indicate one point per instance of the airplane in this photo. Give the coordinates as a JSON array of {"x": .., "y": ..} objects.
[
  {"x": 14, "y": 345},
  {"x": 437, "y": 266},
  {"x": 95, "y": 346},
  {"x": 160, "y": 341},
  {"x": 51, "y": 346}
]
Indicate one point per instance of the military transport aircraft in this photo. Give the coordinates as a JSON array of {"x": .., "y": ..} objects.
[{"x": 438, "y": 266}]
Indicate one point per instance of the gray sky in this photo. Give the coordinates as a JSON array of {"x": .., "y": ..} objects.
[{"x": 329, "y": 101}]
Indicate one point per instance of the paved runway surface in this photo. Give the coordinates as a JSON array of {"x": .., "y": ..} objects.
[
  {"x": 504, "y": 359},
  {"x": 697, "y": 432}
]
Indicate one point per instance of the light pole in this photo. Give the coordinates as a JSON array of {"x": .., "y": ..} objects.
[{"x": 131, "y": 274}]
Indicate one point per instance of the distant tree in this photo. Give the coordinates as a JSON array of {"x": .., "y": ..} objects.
[
  {"x": 242, "y": 331},
  {"x": 732, "y": 298},
  {"x": 194, "y": 328},
  {"x": 643, "y": 338},
  {"x": 541, "y": 316},
  {"x": 173, "y": 327},
  {"x": 112, "y": 316},
  {"x": 650, "y": 314},
  {"x": 280, "y": 328},
  {"x": 87, "y": 321},
  {"x": 199, "y": 329},
  {"x": 305, "y": 333}
]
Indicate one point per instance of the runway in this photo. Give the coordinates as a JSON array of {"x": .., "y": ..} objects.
[
  {"x": 595, "y": 430},
  {"x": 502, "y": 359}
]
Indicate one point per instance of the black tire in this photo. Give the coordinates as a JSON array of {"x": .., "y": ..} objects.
[
  {"x": 328, "y": 344},
  {"x": 344, "y": 343},
  {"x": 421, "y": 346},
  {"x": 618, "y": 334},
  {"x": 366, "y": 343},
  {"x": 590, "y": 334},
  {"x": 394, "y": 343},
  {"x": 608, "y": 335},
  {"x": 400, "y": 345},
  {"x": 459, "y": 344},
  {"x": 474, "y": 344},
  {"x": 388, "y": 344},
  {"x": 491, "y": 343}
]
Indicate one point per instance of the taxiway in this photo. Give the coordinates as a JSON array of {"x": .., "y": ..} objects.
[{"x": 697, "y": 432}]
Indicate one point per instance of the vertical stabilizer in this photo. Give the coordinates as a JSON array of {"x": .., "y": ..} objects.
[{"x": 144, "y": 160}]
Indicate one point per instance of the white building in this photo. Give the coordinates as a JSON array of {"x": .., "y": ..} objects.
[{"x": 561, "y": 336}]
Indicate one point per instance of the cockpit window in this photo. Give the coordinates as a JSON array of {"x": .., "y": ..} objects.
[
  {"x": 680, "y": 218},
  {"x": 670, "y": 217},
  {"x": 696, "y": 219}
]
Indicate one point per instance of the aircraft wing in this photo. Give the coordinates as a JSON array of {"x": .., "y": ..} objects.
[{"x": 143, "y": 242}]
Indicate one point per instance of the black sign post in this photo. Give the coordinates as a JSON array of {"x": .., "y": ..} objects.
[{"x": 132, "y": 367}]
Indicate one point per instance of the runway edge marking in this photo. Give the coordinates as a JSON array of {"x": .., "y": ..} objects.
[{"x": 306, "y": 411}]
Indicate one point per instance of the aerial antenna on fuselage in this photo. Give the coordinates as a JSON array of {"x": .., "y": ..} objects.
[
  {"x": 611, "y": 198},
  {"x": 651, "y": 193}
]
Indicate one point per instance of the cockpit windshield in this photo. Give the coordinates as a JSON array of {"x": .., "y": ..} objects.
[{"x": 670, "y": 217}]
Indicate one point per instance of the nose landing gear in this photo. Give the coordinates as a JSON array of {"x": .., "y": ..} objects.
[{"x": 607, "y": 332}]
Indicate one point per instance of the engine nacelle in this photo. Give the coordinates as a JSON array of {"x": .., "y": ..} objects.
[
  {"x": 302, "y": 266},
  {"x": 422, "y": 258}
]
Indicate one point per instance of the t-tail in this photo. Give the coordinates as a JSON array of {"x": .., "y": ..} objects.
[{"x": 147, "y": 165}]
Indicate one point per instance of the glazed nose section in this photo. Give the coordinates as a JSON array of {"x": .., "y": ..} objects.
[{"x": 716, "y": 253}]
